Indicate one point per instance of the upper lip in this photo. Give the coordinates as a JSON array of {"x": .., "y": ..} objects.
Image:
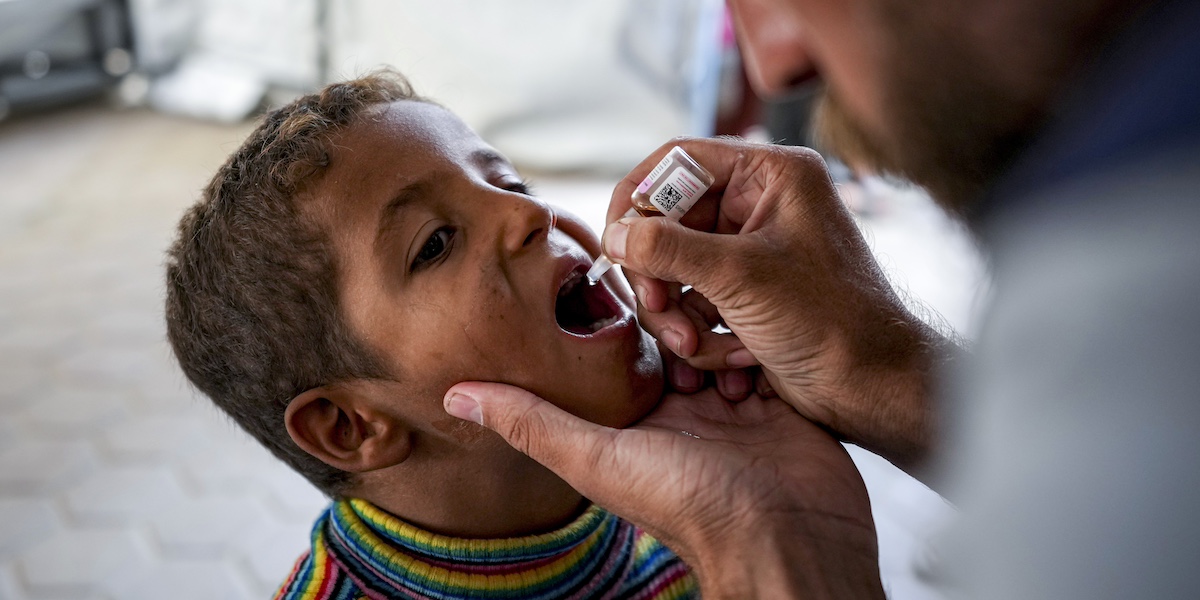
[
  {"x": 569, "y": 265},
  {"x": 574, "y": 265}
]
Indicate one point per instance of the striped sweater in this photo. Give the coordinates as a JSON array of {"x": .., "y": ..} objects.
[{"x": 360, "y": 551}]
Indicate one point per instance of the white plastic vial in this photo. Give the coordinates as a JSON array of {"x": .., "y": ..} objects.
[{"x": 670, "y": 190}]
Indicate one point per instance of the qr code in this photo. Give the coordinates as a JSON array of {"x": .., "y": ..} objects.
[{"x": 667, "y": 197}]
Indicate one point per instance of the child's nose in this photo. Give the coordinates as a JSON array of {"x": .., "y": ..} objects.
[{"x": 527, "y": 221}]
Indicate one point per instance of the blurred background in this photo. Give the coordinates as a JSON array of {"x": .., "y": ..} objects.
[{"x": 116, "y": 480}]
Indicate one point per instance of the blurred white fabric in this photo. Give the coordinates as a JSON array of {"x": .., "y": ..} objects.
[
  {"x": 594, "y": 84},
  {"x": 206, "y": 86},
  {"x": 589, "y": 85},
  {"x": 162, "y": 30},
  {"x": 225, "y": 54}
]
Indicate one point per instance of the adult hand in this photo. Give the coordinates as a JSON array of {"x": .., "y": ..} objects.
[
  {"x": 772, "y": 253},
  {"x": 760, "y": 502}
]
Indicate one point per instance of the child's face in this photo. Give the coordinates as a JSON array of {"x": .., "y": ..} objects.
[{"x": 452, "y": 272}]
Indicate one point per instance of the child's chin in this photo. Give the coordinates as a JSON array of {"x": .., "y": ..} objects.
[
  {"x": 625, "y": 406},
  {"x": 646, "y": 385},
  {"x": 626, "y": 389}
]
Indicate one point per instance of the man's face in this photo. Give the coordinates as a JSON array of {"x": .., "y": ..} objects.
[
  {"x": 910, "y": 86},
  {"x": 451, "y": 271}
]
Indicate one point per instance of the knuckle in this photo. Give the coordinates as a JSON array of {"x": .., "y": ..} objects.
[
  {"x": 808, "y": 165},
  {"x": 799, "y": 158},
  {"x": 597, "y": 456},
  {"x": 526, "y": 430},
  {"x": 808, "y": 155},
  {"x": 679, "y": 140},
  {"x": 652, "y": 247}
]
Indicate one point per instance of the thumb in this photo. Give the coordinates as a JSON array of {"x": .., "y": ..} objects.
[
  {"x": 564, "y": 443},
  {"x": 667, "y": 250}
]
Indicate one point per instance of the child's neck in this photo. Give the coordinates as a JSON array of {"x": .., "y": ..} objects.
[{"x": 492, "y": 491}]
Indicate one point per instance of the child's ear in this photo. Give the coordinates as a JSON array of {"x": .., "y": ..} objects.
[{"x": 342, "y": 427}]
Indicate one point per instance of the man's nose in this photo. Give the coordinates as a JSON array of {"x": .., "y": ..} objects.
[{"x": 771, "y": 37}]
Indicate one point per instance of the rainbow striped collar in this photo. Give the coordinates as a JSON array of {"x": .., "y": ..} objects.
[{"x": 360, "y": 551}]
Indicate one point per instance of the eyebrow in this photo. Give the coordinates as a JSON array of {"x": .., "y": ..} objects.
[
  {"x": 408, "y": 194},
  {"x": 487, "y": 157},
  {"x": 417, "y": 190}
]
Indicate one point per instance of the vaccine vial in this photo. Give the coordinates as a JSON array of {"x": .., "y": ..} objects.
[
  {"x": 670, "y": 190},
  {"x": 674, "y": 185}
]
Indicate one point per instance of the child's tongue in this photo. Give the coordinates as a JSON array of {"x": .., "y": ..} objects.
[{"x": 584, "y": 309}]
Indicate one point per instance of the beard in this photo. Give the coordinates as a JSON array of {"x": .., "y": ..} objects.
[{"x": 948, "y": 129}]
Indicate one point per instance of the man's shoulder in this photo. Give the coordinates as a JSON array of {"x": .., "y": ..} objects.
[
  {"x": 1145, "y": 211},
  {"x": 1109, "y": 258},
  {"x": 1075, "y": 438}
]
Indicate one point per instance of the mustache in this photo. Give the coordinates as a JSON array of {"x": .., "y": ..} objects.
[{"x": 836, "y": 133}]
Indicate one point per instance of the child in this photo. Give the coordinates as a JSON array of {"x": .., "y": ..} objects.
[{"x": 358, "y": 255}]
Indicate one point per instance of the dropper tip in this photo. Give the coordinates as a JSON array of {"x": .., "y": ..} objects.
[{"x": 600, "y": 267}]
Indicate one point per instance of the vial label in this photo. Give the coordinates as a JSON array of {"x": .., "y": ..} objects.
[
  {"x": 662, "y": 165},
  {"x": 677, "y": 193}
]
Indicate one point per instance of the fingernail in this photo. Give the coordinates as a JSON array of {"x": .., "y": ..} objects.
[
  {"x": 464, "y": 407},
  {"x": 674, "y": 340},
  {"x": 737, "y": 383},
  {"x": 640, "y": 292},
  {"x": 614, "y": 240},
  {"x": 685, "y": 377},
  {"x": 740, "y": 359},
  {"x": 764, "y": 387}
]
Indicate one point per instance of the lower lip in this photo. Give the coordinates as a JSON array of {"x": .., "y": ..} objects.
[{"x": 623, "y": 323}]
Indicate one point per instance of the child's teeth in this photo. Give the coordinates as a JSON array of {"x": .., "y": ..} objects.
[
  {"x": 570, "y": 284},
  {"x": 602, "y": 323}
]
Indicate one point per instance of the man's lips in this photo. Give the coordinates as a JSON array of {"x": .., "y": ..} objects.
[{"x": 581, "y": 309}]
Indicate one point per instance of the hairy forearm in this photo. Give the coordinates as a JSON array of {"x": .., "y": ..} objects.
[
  {"x": 786, "y": 559},
  {"x": 899, "y": 416}
]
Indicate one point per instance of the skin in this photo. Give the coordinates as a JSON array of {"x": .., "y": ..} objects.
[
  {"x": 944, "y": 93},
  {"x": 770, "y": 511},
  {"x": 864, "y": 368},
  {"x": 449, "y": 270},
  {"x": 940, "y": 92}
]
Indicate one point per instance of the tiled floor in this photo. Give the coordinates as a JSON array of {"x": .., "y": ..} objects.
[{"x": 116, "y": 481}]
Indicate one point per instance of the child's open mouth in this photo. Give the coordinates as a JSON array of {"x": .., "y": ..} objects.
[{"x": 584, "y": 309}]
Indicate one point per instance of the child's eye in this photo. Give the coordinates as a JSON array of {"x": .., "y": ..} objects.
[
  {"x": 521, "y": 187},
  {"x": 434, "y": 248}
]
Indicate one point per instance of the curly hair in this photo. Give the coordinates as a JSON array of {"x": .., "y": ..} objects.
[{"x": 252, "y": 286}]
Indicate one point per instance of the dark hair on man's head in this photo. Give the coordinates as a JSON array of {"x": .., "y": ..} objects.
[{"x": 252, "y": 286}]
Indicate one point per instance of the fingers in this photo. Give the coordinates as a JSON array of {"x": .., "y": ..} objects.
[
  {"x": 721, "y": 157},
  {"x": 714, "y": 350},
  {"x": 667, "y": 250},
  {"x": 719, "y": 351},
  {"x": 564, "y": 443},
  {"x": 762, "y": 385},
  {"x": 685, "y": 328},
  {"x": 686, "y": 336},
  {"x": 652, "y": 294},
  {"x": 734, "y": 384},
  {"x": 673, "y": 328},
  {"x": 682, "y": 376}
]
